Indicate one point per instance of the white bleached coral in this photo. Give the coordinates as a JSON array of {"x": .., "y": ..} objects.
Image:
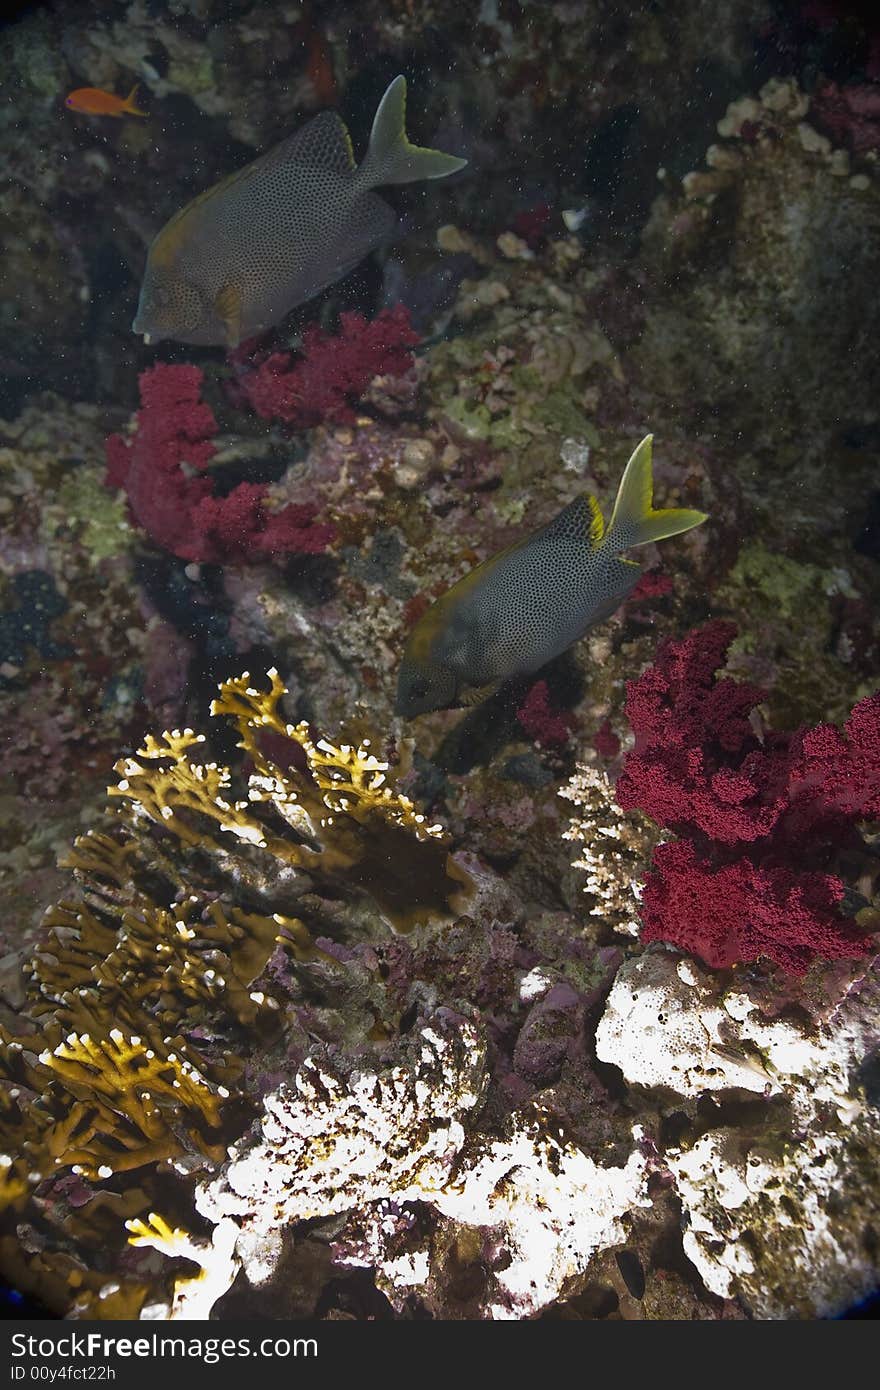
[
  {"x": 761, "y": 1193},
  {"x": 371, "y": 1141},
  {"x": 337, "y": 1139},
  {"x": 667, "y": 1023},
  {"x": 541, "y": 1205},
  {"x": 615, "y": 848}
]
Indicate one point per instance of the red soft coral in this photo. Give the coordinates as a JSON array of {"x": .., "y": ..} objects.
[
  {"x": 737, "y": 912},
  {"x": 759, "y": 818},
  {"x": 850, "y": 114},
  {"x": 155, "y": 465},
  {"x": 834, "y": 776},
  {"x": 697, "y": 763},
  {"x": 332, "y": 371},
  {"x": 158, "y": 464},
  {"x": 548, "y": 727}
]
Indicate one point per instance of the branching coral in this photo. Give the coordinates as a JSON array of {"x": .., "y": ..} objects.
[
  {"x": 615, "y": 848},
  {"x": 112, "y": 1102},
  {"x": 348, "y": 823},
  {"x": 143, "y": 991},
  {"x": 132, "y": 1096},
  {"x": 194, "y": 1297}
]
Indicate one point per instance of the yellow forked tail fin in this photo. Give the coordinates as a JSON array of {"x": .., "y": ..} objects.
[{"x": 634, "y": 520}]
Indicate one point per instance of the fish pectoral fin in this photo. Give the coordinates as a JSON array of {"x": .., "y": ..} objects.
[
  {"x": 227, "y": 307},
  {"x": 478, "y": 694}
]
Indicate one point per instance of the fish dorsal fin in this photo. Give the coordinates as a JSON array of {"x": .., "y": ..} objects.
[
  {"x": 322, "y": 143},
  {"x": 581, "y": 520}
]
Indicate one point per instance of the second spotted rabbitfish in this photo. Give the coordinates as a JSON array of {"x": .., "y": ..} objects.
[{"x": 517, "y": 610}]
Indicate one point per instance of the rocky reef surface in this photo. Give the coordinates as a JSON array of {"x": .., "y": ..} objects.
[{"x": 324, "y": 1014}]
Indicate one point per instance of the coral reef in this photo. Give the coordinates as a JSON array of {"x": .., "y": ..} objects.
[{"x": 561, "y": 1006}]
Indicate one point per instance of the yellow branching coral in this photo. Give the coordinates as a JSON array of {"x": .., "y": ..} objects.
[
  {"x": 102, "y": 860},
  {"x": 216, "y": 1259},
  {"x": 338, "y": 819},
  {"x": 61, "y": 1281},
  {"x": 351, "y": 781},
  {"x": 107, "y": 1104},
  {"x": 161, "y": 955},
  {"x": 180, "y": 949},
  {"x": 130, "y": 1095},
  {"x": 13, "y": 1183}
]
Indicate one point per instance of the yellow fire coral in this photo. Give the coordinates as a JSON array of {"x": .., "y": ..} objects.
[
  {"x": 348, "y": 823},
  {"x": 183, "y": 942},
  {"x": 216, "y": 1260},
  {"x": 110, "y": 1103}
]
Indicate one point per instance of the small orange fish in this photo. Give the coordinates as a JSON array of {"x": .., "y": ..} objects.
[{"x": 94, "y": 102}]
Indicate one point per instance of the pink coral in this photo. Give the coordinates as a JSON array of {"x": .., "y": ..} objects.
[
  {"x": 652, "y": 584},
  {"x": 331, "y": 372},
  {"x": 850, "y": 114},
  {"x": 605, "y": 740},
  {"x": 155, "y": 467},
  {"x": 760, "y": 815},
  {"x": 548, "y": 727},
  {"x": 697, "y": 763},
  {"x": 741, "y": 911},
  {"x": 158, "y": 468}
]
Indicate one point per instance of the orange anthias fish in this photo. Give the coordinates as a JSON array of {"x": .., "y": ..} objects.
[{"x": 94, "y": 102}]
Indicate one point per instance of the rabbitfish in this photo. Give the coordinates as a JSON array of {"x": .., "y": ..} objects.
[
  {"x": 520, "y": 608},
  {"x": 236, "y": 259}
]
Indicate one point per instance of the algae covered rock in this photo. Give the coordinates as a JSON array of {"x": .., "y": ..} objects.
[{"x": 764, "y": 269}]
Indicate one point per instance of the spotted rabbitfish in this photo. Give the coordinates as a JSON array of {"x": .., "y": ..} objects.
[
  {"x": 235, "y": 260},
  {"x": 520, "y": 608}
]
